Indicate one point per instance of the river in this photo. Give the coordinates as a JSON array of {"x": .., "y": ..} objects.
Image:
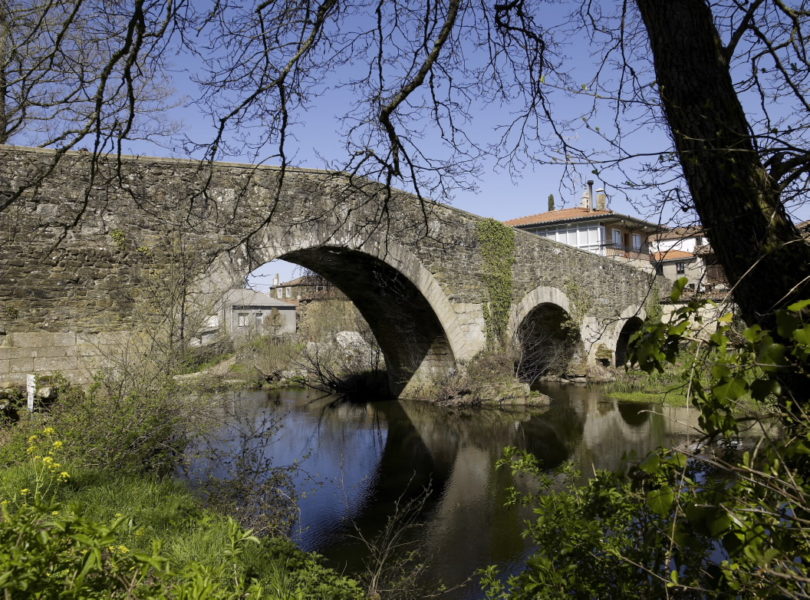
[{"x": 357, "y": 462}]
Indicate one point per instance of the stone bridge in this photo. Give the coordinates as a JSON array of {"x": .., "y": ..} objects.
[{"x": 93, "y": 257}]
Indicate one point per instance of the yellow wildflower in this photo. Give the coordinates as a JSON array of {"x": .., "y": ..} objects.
[
  {"x": 123, "y": 549},
  {"x": 57, "y": 444},
  {"x": 33, "y": 439},
  {"x": 64, "y": 476},
  {"x": 48, "y": 431},
  {"x": 47, "y": 460},
  {"x": 24, "y": 491}
]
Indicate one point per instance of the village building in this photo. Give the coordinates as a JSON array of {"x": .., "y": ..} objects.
[
  {"x": 686, "y": 252},
  {"x": 594, "y": 227},
  {"x": 243, "y": 312},
  {"x": 305, "y": 289}
]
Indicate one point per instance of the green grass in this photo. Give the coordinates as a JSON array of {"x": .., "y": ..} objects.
[
  {"x": 660, "y": 388},
  {"x": 673, "y": 398}
]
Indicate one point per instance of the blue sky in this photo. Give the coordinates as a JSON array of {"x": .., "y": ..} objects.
[{"x": 317, "y": 138}]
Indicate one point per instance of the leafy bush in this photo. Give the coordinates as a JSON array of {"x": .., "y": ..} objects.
[
  {"x": 709, "y": 523},
  {"x": 163, "y": 545},
  {"x": 130, "y": 430}
]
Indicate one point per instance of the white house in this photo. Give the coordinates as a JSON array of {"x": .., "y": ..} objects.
[{"x": 596, "y": 229}]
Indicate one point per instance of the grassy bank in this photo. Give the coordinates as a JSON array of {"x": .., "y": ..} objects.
[
  {"x": 89, "y": 508},
  {"x": 661, "y": 388}
]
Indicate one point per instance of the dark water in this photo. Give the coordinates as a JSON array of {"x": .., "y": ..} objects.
[{"x": 356, "y": 462}]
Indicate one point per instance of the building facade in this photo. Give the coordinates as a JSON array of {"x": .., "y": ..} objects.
[{"x": 594, "y": 228}]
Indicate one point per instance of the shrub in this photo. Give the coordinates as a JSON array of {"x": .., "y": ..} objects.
[{"x": 163, "y": 544}]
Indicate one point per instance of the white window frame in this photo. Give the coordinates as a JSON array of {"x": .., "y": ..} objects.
[
  {"x": 618, "y": 238},
  {"x": 242, "y": 319},
  {"x": 635, "y": 242}
]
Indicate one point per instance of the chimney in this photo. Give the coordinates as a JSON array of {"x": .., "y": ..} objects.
[
  {"x": 550, "y": 202},
  {"x": 601, "y": 199},
  {"x": 585, "y": 202},
  {"x": 276, "y": 280},
  {"x": 590, "y": 194}
]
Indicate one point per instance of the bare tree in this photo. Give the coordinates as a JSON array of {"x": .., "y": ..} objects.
[
  {"x": 726, "y": 79},
  {"x": 82, "y": 73}
]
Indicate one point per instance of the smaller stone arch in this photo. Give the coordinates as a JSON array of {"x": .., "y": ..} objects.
[
  {"x": 540, "y": 295},
  {"x": 631, "y": 326},
  {"x": 617, "y": 334},
  {"x": 545, "y": 335}
]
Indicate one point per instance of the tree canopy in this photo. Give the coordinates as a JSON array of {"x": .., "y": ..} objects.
[{"x": 726, "y": 79}]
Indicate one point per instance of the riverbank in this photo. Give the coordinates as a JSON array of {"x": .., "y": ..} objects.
[{"x": 91, "y": 508}]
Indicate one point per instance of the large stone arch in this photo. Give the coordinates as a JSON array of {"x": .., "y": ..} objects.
[{"x": 405, "y": 306}]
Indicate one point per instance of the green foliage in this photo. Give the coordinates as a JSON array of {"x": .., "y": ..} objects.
[
  {"x": 119, "y": 238},
  {"x": 713, "y": 523},
  {"x": 125, "y": 429},
  {"x": 595, "y": 540},
  {"x": 498, "y": 251},
  {"x": 89, "y": 534}
]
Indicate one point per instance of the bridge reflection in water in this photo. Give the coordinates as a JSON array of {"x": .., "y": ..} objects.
[{"x": 357, "y": 460}]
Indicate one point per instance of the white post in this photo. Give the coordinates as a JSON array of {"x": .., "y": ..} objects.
[{"x": 31, "y": 388}]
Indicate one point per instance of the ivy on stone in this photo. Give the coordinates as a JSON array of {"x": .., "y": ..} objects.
[{"x": 497, "y": 242}]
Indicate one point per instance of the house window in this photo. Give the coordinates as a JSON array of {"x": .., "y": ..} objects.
[
  {"x": 242, "y": 319},
  {"x": 659, "y": 268},
  {"x": 258, "y": 319},
  {"x": 636, "y": 241},
  {"x": 287, "y": 292},
  {"x": 279, "y": 293},
  {"x": 680, "y": 268},
  {"x": 617, "y": 238}
]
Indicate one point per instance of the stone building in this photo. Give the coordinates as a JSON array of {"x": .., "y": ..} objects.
[
  {"x": 244, "y": 312},
  {"x": 686, "y": 252},
  {"x": 304, "y": 289}
]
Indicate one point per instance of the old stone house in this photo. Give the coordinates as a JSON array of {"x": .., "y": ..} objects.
[
  {"x": 686, "y": 252},
  {"x": 304, "y": 289},
  {"x": 244, "y": 312}
]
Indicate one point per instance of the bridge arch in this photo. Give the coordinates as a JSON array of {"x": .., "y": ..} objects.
[
  {"x": 618, "y": 333},
  {"x": 405, "y": 307},
  {"x": 548, "y": 337}
]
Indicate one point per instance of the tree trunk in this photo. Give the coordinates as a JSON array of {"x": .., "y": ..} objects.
[
  {"x": 4, "y": 49},
  {"x": 737, "y": 200}
]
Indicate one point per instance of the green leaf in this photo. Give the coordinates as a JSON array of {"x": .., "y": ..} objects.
[
  {"x": 660, "y": 500},
  {"x": 799, "y": 306},
  {"x": 677, "y": 288}
]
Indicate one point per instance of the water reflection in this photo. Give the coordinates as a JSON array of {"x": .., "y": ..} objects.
[{"x": 356, "y": 461}]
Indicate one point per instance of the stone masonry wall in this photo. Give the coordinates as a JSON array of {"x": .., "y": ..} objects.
[{"x": 85, "y": 261}]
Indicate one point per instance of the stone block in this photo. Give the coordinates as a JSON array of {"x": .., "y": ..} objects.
[
  {"x": 10, "y": 352},
  {"x": 21, "y": 365},
  {"x": 41, "y": 339},
  {"x": 55, "y": 352},
  {"x": 55, "y": 364}
]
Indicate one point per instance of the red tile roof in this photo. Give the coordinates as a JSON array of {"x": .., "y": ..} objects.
[
  {"x": 680, "y": 233},
  {"x": 671, "y": 255},
  {"x": 564, "y": 214}
]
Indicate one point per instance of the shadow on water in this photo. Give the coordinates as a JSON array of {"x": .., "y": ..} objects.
[{"x": 356, "y": 461}]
